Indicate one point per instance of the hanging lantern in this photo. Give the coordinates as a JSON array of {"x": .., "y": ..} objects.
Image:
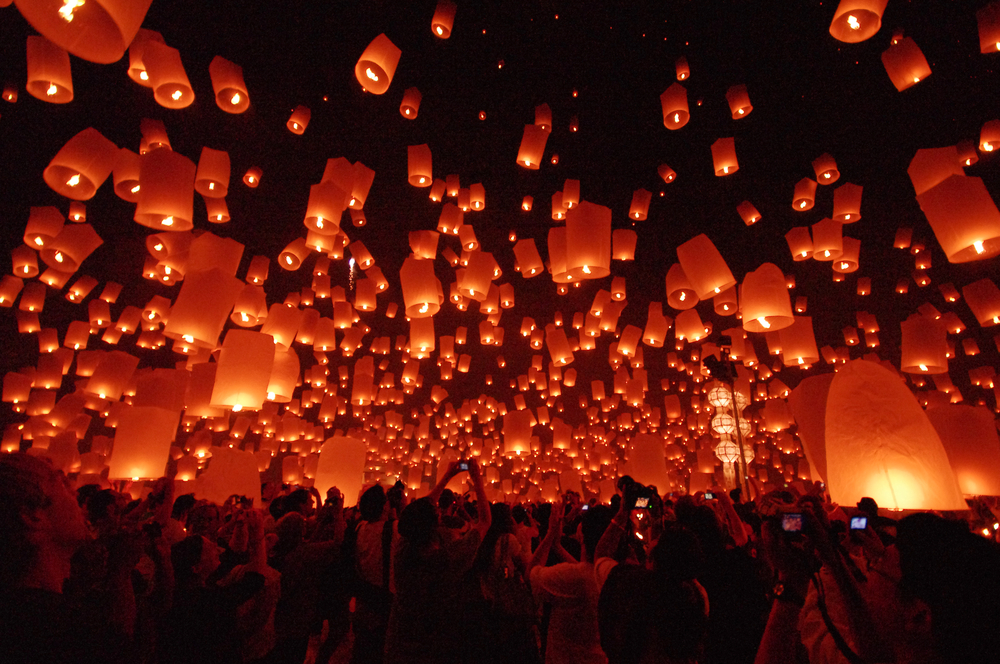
[
  {"x": 377, "y": 65},
  {"x": 905, "y": 64},
  {"x": 804, "y": 196},
  {"x": 724, "y": 157},
  {"x": 765, "y": 302},
  {"x": 704, "y": 267},
  {"x": 924, "y": 346},
  {"x": 857, "y": 20},
  {"x": 529, "y": 154},
  {"x": 964, "y": 218},
  {"x": 848, "y": 260},
  {"x": 639, "y": 208},
  {"x": 244, "y": 370},
  {"x": 82, "y": 165},
  {"x": 739, "y": 101},
  {"x": 171, "y": 88},
  {"x": 49, "y": 76},
  {"x": 828, "y": 240},
  {"x": 674, "y": 104},
  {"x": 680, "y": 294},
  {"x": 228, "y": 85},
  {"x": 166, "y": 196},
  {"x": 422, "y": 292}
]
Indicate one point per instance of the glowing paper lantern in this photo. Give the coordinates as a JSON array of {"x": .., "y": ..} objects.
[
  {"x": 828, "y": 240},
  {"x": 680, "y": 294},
  {"x": 964, "y": 218},
  {"x": 798, "y": 343},
  {"x": 419, "y": 165},
  {"x": 44, "y": 224},
  {"x": 529, "y": 261},
  {"x": 422, "y": 292},
  {"x": 739, "y": 101},
  {"x": 983, "y": 299},
  {"x": 765, "y": 301},
  {"x": 410, "y": 105},
  {"x": 674, "y": 104},
  {"x": 171, "y": 87},
  {"x": 969, "y": 437},
  {"x": 988, "y": 21},
  {"x": 228, "y": 85},
  {"x": 704, "y": 267},
  {"x": 202, "y": 308},
  {"x": 724, "y": 157},
  {"x": 166, "y": 196},
  {"x": 880, "y": 443},
  {"x": 230, "y": 472},
  {"x": 848, "y": 260},
  {"x": 82, "y": 165},
  {"x": 646, "y": 462},
  {"x": 847, "y": 203},
  {"x": 377, "y": 65},
  {"x": 517, "y": 428},
  {"x": 588, "y": 241},
  {"x": 905, "y": 64},
  {"x": 71, "y": 247},
  {"x": 299, "y": 120},
  {"x": 142, "y": 442},
  {"x": 639, "y": 208},
  {"x": 748, "y": 213},
  {"x": 111, "y": 375},
  {"x": 804, "y": 196},
  {"x": 244, "y": 370},
  {"x": 689, "y": 326},
  {"x": 529, "y": 154},
  {"x": 326, "y": 205},
  {"x": 212, "y": 176},
  {"x": 666, "y": 173},
  {"x": 99, "y": 31},
  {"x": 682, "y": 68},
  {"x": 49, "y": 76},
  {"x": 924, "y": 346},
  {"x": 857, "y": 20}
]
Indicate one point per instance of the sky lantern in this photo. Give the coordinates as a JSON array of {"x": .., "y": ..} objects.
[
  {"x": 570, "y": 193},
  {"x": 748, "y": 213},
  {"x": 682, "y": 69},
  {"x": 517, "y": 428},
  {"x": 171, "y": 87},
  {"x": 828, "y": 240},
  {"x": 126, "y": 176},
  {"x": 880, "y": 443},
  {"x": 422, "y": 293},
  {"x": 284, "y": 374},
  {"x": 847, "y": 203},
  {"x": 724, "y": 157},
  {"x": 558, "y": 345},
  {"x": 804, "y": 196},
  {"x": 674, "y": 104},
  {"x": 668, "y": 174},
  {"x": 410, "y": 105},
  {"x": 739, "y": 101},
  {"x": 680, "y": 293},
  {"x": 623, "y": 241},
  {"x": 230, "y": 472},
  {"x": 342, "y": 465},
  {"x": 905, "y": 64},
  {"x": 212, "y": 176},
  {"x": 142, "y": 442},
  {"x": 639, "y": 208},
  {"x": 325, "y": 208},
  {"x": 848, "y": 261},
  {"x": 528, "y": 259},
  {"x": 166, "y": 194},
  {"x": 765, "y": 304},
  {"x": 99, "y": 32},
  {"x": 857, "y": 20},
  {"x": 825, "y": 167},
  {"x": 656, "y": 326},
  {"x": 543, "y": 117},
  {"x": 478, "y": 276},
  {"x": 202, "y": 308},
  {"x": 705, "y": 267},
  {"x": 68, "y": 250},
  {"x": 299, "y": 120},
  {"x": 228, "y": 85},
  {"x": 44, "y": 224},
  {"x": 244, "y": 370},
  {"x": 988, "y": 22},
  {"x": 964, "y": 218},
  {"x": 136, "y": 70},
  {"x": 983, "y": 298},
  {"x": 532, "y": 149},
  {"x": 588, "y": 241},
  {"x": 419, "y": 165},
  {"x": 798, "y": 343},
  {"x": 82, "y": 165},
  {"x": 689, "y": 326},
  {"x": 969, "y": 437},
  {"x": 49, "y": 75},
  {"x": 932, "y": 166},
  {"x": 112, "y": 375},
  {"x": 924, "y": 346},
  {"x": 443, "y": 19},
  {"x": 377, "y": 65}
]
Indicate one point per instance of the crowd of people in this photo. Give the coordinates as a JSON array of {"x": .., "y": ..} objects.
[{"x": 89, "y": 574}]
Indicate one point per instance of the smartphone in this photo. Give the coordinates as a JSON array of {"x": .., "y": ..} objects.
[
  {"x": 859, "y": 522},
  {"x": 463, "y": 465},
  {"x": 584, "y": 507},
  {"x": 642, "y": 503},
  {"x": 709, "y": 495},
  {"x": 791, "y": 522}
]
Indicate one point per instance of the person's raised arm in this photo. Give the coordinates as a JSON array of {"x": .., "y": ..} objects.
[
  {"x": 484, "y": 515},
  {"x": 612, "y": 537},
  {"x": 449, "y": 473},
  {"x": 734, "y": 524},
  {"x": 545, "y": 546}
]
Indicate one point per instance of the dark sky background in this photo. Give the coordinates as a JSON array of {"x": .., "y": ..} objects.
[{"x": 811, "y": 94}]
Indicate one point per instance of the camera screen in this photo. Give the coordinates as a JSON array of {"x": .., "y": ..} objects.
[
  {"x": 464, "y": 465},
  {"x": 791, "y": 523},
  {"x": 859, "y": 522},
  {"x": 709, "y": 495},
  {"x": 642, "y": 503},
  {"x": 584, "y": 507}
]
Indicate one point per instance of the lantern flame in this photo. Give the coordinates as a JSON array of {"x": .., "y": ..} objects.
[
  {"x": 39, "y": 241},
  {"x": 923, "y": 367},
  {"x": 143, "y": 75},
  {"x": 69, "y": 6},
  {"x": 853, "y": 22},
  {"x": 764, "y": 322},
  {"x": 236, "y": 99},
  {"x": 978, "y": 244},
  {"x": 73, "y": 181},
  {"x": 135, "y": 189},
  {"x": 370, "y": 74},
  {"x": 52, "y": 89},
  {"x": 169, "y": 221},
  {"x": 58, "y": 257},
  {"x": 177, "y": 94},
  {"x": 237, "y": 408},
  {"x": 987, "y": 147}
]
